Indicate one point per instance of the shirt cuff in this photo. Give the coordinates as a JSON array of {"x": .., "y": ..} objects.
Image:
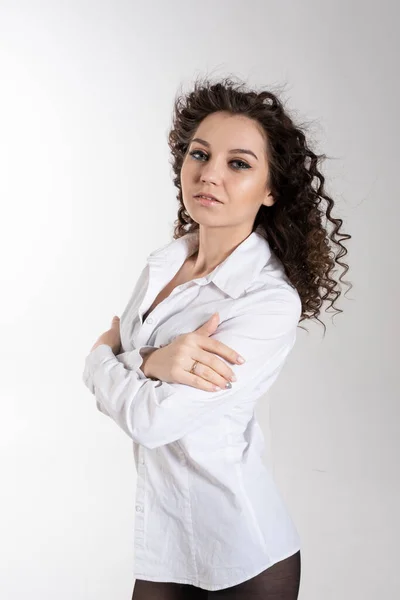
[{"x": 131, "y": 360}]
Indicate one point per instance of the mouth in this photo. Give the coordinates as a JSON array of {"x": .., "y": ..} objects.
[{"x": 207, "y": 200}]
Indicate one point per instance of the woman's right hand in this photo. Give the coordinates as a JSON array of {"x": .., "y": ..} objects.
[{"x": 172, "y": 363}]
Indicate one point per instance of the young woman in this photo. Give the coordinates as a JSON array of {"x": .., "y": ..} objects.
[{"x": 251, "y": 244}]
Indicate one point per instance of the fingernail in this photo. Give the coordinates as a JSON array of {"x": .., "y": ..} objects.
[{"x": 240, "y": 359}]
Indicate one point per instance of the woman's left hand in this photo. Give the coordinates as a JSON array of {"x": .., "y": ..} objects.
[{"x": 111, "y": 337}]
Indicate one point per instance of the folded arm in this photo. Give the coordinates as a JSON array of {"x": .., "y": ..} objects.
[{"x": 154, "y": 413}]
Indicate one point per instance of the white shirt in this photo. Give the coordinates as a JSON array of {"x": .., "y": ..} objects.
[{"x": 208, "y": 512}]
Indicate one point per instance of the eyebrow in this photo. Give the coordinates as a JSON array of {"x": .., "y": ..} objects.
[{"x": 234, "y": 150}]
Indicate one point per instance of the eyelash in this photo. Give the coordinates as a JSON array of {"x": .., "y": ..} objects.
[{"x": 235, "y": 160}]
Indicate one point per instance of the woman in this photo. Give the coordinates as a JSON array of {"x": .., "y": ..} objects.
[{"x": 209, "y": 519}]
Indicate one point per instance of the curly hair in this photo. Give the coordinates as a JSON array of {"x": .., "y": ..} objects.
[{"x": 296, "y": 225}]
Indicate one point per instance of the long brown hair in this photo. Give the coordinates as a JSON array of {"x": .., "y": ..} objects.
[{"x": 296, "y": 225}]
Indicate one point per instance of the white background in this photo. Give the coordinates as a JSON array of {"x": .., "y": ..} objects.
[{"x": 87, "y": 89}]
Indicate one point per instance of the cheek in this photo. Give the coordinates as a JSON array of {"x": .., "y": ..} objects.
[
  {"x": 187, "y": 173},
  {"x": 242, "y": 190},
  {"x": 246, "y": 196}
]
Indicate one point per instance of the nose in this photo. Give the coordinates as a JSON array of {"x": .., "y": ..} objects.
[{"x": 210, "y": 172}]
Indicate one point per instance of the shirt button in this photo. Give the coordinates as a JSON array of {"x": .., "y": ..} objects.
[
  {"x": 149, "y": 320},
  {"x": 138, "y": 508}
]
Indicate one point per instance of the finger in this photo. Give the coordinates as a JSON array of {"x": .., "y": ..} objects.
[
  {"x": 197, "y": 382},
  {"x": 218, "y": 347},
  {"x": 212, "y": 369}
]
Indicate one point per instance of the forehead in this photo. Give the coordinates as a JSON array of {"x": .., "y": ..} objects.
[
  {"x": 224, "y": 121},
  {"x": 222, "y": 129}
]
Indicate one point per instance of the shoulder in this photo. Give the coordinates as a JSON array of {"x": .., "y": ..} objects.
[{"x": 272, "y": 294}]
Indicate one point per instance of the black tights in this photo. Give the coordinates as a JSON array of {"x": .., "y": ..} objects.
[{"x": 281, "y": 581}]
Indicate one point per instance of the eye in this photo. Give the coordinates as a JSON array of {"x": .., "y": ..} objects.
[{"x": 246, "y": 166}]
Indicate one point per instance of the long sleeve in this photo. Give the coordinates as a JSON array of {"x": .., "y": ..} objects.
[
  {"x": 131, "y": 360},
  {"x": 154, "y": 413}
]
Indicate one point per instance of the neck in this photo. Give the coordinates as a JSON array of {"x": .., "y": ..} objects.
[{"x": 213, "y": 248}]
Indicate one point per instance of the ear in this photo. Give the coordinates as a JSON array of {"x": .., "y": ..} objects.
[{"x": 269, "y": 200}]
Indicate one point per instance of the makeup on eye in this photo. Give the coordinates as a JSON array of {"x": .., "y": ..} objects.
[{"x": 238, "y": 160}]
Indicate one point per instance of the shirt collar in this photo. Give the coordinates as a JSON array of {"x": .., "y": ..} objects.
[{"x": 234, "y": 275}]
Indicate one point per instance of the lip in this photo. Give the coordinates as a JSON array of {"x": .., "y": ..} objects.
[
  {"x": 207, "y": 201},
  {"x": 210, "y": 196}
]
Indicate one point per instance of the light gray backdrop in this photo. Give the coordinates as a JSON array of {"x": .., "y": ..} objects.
[{"x": 86, "y": 193}]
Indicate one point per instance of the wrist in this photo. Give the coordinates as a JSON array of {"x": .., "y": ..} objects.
[{"x": 146, "y": 354}]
